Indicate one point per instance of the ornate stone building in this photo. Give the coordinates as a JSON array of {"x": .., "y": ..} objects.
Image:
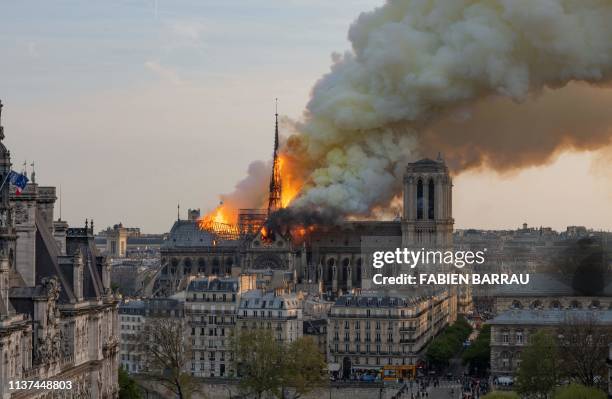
[
  {"x": 58, "y": 316},
  {"x": 332, "y": 261}
]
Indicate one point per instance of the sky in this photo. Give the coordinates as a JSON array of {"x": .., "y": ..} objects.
[{"x": 133, "y": 107}]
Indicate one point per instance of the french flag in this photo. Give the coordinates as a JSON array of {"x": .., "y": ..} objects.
[{"x": 18, "y": 180}]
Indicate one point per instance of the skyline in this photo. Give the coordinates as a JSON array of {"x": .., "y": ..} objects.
[{"x": 146, "y": 106}]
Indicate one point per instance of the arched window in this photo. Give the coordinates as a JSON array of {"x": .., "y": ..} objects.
[
  {"x": 419, "y": 199},
  {"x": 330, "y": 269},
  {"x": 187, "y": 265},
  {"x": 431, "y": 200},
  {"x": 516, "y": 305}
]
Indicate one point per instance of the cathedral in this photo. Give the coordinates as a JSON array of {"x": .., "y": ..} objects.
[
  {"x": 58, "y": 316},
  {"x": 332, "y": 261}
]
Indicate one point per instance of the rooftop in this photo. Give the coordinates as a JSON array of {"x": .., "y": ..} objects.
[{"x": 550, "y": 317}]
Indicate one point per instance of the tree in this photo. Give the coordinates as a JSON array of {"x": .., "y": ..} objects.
[
  {"x": 538, "y": 373},
  {"x": 583, "y": 343},
  {"x": 448, "y": 343},
  {"x": 167, "y": 352},
  {"x": 501, "y": 395},
  {"x": 575, "y": 391},
  {"x": 258, "y": 359},
  {"x": 266, "y": 366},
  {"x": 478, "y": 355},
  {"x": 304, "y": 367},
  {"x": 128, "y": 389}
]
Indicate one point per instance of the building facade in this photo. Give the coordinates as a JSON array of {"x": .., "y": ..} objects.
[
  {"x": 371, "y": 331},
  {"x": 278, "y": 312},
  {"x": 210, "y": 309},
  {"x": 511, "y": 331},
  {"x": 58, "y": 315}
]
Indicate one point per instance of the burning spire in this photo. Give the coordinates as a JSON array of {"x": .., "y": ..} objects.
[{"x": 275, "y": 194}]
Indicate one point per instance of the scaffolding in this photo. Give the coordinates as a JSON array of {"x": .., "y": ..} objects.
[
  {"x": 250, "y": 221},
  {"x": 223, "y": 231}
]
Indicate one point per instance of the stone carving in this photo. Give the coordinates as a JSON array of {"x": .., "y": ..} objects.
[{"x": 21, "y": 214}]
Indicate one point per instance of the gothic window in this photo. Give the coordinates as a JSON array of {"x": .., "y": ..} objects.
[
  {"x": 345, "y": 266},
  {"x": 431, "y": 199},
  {"x": 419, "y": 199}
]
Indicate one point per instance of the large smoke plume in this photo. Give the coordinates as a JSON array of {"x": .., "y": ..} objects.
[{"x": 500, "y": 84}]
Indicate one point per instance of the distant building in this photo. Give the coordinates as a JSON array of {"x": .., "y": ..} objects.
[
  {"x": 510, "y": 332},
  {"x": 131, "y": 325},
  {"x": 371, "y": 331},
  {"x": 116, "y": 240},
  {"x": 317, "y": 330},
  {"x": 210, "y": 309},
  {"x": 279, "y": 313}
]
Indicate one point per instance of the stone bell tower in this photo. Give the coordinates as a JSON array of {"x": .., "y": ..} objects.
[{"x": 428, "y": 213}]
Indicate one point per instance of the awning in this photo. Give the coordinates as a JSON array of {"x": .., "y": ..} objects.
[{"x": 333, "y": 366}]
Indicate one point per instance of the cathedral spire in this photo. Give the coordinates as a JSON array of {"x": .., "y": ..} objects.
[{"x": 275, "y": 195}]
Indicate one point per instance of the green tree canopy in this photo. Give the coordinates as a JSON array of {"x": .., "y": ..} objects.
[
  {"x": 501, "y": 395},
  {"x": 538, "y": 373},
  {"x": 266, "y": 366},
  {"x": 478, "y": 355},
  {"x": 448, "y": 343},
  {"x": 576, "y": 391},
  {"x": 258, "y": 360},
  {"x": 127, "y": 386}
]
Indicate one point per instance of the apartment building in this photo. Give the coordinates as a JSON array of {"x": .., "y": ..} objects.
[
  {"x": 279, "y": 312},
  {"x": 371, "y": 331},
  {"x": 210, "y": 309}
]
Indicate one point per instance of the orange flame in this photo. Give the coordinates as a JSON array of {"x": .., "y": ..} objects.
[
  {"x": 291, "y": 184},
  {"x": 226, "y": 215},
  {"x": 220, "y": 215}
]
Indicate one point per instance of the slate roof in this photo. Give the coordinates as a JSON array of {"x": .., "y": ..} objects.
[
  {"x": 257, "y": 300},
  {"x": 545, "y": 285},
  {"x": 549, "y": 316},
  {"x": 186, "y": 233},
  {"x": 369, "y": 301},
  {"x": 215, "y": 284}
]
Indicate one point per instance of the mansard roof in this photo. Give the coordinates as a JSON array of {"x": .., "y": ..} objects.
[
  {"x": 213, "y": 285},
  {"x": 256, "y": 299},
  {"x": 551, "y": 317},
  {"x": 377, "y": 301}
]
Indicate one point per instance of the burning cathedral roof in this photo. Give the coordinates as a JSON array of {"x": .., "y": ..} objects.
[{"x": 187, "y": 233}]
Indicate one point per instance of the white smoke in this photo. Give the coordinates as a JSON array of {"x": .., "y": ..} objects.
[{"x": 413, "y": 62}]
